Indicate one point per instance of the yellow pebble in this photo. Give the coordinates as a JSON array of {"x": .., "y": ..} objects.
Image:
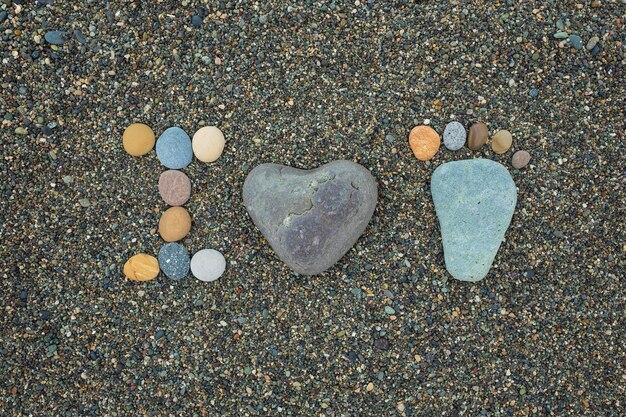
[{"x": 141, "y": 267}]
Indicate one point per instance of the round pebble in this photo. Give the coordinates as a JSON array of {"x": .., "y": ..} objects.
[
  {"x": 174, "y": 187},
  {"x": 208, "y": 143},
  {"x": 454, "y": 136},
  {"x": 501, "y": 141},
  {"x": 141, "y": 267},
  {"x": 138, "y": 139},
  {"x": 173, "y": 148},
  {"x": 424, "y": 142},
  {"x": 520, "y": 159},
  {"x": 174, "y": 260},
  {"x": 478, "y": 135},
  {"x": 175, "y": 224},
  {"x": 208, "y": 265}
]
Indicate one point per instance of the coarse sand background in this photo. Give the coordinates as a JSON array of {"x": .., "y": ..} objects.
[{"x": 303, "y": 83}]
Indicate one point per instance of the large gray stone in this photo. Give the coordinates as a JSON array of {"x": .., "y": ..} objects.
[
  {"x": 474, "y": 200},
  {"x": 311, "y": 218}
]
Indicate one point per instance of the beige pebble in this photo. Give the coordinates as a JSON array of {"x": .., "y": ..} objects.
[
  {"x": 138, "y": 139},
  {"x": 175, "y": 224},
  {"x": 141, "y": 267},
  {"x": 208, "y": 143},
  {"x": 501, "y": 141},
  {"x": 424, "y": 142}
]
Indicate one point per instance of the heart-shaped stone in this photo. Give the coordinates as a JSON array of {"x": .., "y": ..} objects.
[
  {"x": 311, "y": 218},
  {"x": 474, "y": 200}
]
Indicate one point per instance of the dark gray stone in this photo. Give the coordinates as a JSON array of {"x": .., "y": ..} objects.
[
  {"x": 311, "y": 218},
  {"x": 174, "y": 260},
  {"x": 474, "y": 200},
  {"x": 56, "y": 37}
]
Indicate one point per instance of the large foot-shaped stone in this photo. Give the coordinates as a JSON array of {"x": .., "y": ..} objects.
[
  {"x": 474, "y": 200},
  {"x": 311, "y": 218}
]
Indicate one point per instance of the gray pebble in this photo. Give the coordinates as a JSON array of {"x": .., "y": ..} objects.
[
  {"x": 79, "y": 36},
  {"x": 454, "y": 136},
  {"x": 174, "y": 260},
  {"x": 561, "y": 35},
  {"x": 593, "y": 41},
  {"x": 55, "y": 37},
  {"x": 196, "y": 21},
  {"x": 3, "y": 16}
]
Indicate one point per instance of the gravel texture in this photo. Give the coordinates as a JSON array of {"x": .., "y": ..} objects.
[{"x": 302, "y": 84}]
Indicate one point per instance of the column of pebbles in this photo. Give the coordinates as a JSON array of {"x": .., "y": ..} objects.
[{"x": 175, "y": 150}]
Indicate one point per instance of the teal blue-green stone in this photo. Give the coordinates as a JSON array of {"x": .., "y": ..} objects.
[{"x": 474, "y": 200}]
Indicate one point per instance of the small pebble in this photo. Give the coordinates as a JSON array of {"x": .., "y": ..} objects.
[
  {"x": 454, "y": 136},
  {"x": 21, "y": 131},
  {"x": 520, "y": 159},
  {"x": 533, "y": 92},
  {"x": 576, "y": 41},
  {"x": 174, "y": 260},
  {"x": 138, "y": 139},
  {"x": 501, "y": 141},
  {"x": 174, "y": 224},
  {"x": 208, "y": 265},
  {"x": 55, "y": 37},
  {"x": 79, "y": 36},
  {"x": 84, "y": 202},
  {"x": 478, "y": 135},
  {"x": 424, "y": 142},
  {"x": 173, "y": 148},
  {"x": 196, "y": 21},
  {"x": 208, "y": 143},
  {"x": 3, "y": 15},
  {"x": 141, "y": 267},
  {"x": 561, "y": 35},
  {"x": 174, "y": 187},
  {"x": 593, "y": 41}
]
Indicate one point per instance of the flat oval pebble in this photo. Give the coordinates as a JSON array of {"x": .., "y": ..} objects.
[
  {"x": 454, "y": 136},
  {"x": 174, "y": 187},
  {"x": 138, "y": 139},
  {"x": 424, "y": 142},
  {"x": 175, "y": 224},
  {"x": 55, "y": 37},
  {"x": 174, "y": 260},
  {"x": 478, "y": 135},
  {"x": 208, "y": 143},
  {"x": 520, "y": 159},
  {"x": 501, "y": 141},
  {"x": 173, "y": 148},
  {"x": 141, "y": 267},
  {"x": 208, "y": 265}
]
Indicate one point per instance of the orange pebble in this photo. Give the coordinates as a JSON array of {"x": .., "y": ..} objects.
[
  {"x": 141, "y": 267},
  {"x": 424, "y": 142}
]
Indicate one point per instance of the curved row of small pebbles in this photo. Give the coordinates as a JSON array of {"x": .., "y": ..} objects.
[{"x": 425, "y": 141}]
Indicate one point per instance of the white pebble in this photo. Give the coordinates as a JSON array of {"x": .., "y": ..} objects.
[{"x": 208, "y": 265}]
